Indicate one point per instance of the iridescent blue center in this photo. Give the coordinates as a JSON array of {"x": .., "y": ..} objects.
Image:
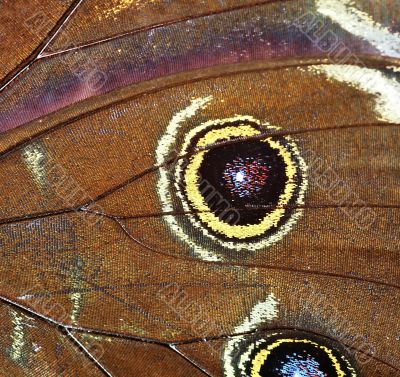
[
  {"x": 297, "y": 365},
  {"x": 246, "y": 177}
]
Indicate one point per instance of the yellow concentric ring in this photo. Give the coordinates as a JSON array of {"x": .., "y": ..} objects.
[{"x": 195, "y": 197}]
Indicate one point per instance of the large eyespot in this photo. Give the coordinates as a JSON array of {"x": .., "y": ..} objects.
[
  {"x": 240, "y": 188},
  {"x": 289, "y": 354},
  {"x": 256, "y": 178}
]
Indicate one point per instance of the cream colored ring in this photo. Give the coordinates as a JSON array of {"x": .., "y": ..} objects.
[{"x": 167, "y": 187}]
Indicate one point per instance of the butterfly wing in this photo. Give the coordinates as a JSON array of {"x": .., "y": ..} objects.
[{"x": 105, "y": 232}]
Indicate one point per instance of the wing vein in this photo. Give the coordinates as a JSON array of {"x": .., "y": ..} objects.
[{"x": 25, "y": 65}]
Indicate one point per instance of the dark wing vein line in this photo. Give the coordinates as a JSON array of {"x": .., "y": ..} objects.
[
  {"x": 189, "y": 360},
  {"x": 252, "y": 265},
  {"x": 157, "y": 26},
  {"x": 84, "y": 209},
  {"x": 260, "y": 330},
  {"x": 277, "y": 65},
  {"x": 248, "y": 209},
  {"x": 25, "y": 65},
  {"x": 169, "y": 344},
  {"x": 127, "y": 182},
  {"x": 86, "y": 352}
]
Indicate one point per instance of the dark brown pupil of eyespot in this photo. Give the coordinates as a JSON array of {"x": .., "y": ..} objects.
[{"x": 249, "y": 176}]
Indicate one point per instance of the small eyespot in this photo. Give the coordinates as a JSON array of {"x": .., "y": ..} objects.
[
  {"x": 291, "y": 354},
  {"x": 239, "y": 188}
]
